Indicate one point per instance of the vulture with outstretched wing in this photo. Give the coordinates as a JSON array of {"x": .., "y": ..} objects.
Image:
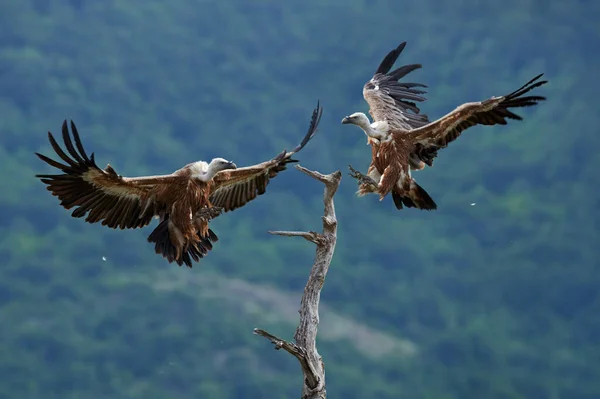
[
  {"x": 391, "y": 160},
  {"x": 183, "y": 201}
]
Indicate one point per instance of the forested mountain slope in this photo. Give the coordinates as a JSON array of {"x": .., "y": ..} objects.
[{"x": 494, "y": 295}]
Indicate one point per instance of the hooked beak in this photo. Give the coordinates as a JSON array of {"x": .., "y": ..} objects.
[
  {"x": 346, "y": 120},
  {"x": 231, "y": 165}
]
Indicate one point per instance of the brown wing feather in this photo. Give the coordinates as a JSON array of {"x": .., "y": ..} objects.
[
  {"x": 392, "y": 100},
  {"x": 234, "y": 188},
  {"x": 494, "y": 111},
  {"x": 115, "y": 200}
]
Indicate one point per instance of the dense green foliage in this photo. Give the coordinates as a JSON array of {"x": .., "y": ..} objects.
[{"x": 497, "y": 300}]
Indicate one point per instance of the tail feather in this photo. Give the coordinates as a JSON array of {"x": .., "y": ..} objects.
[
  {"x": 416, "y": 197},
  {"x": 193, "y": 251}
]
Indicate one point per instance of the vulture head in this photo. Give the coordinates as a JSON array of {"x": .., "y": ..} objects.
[
  {"x": 357, "y": 118},
  {"x": 219, "y": 164}
]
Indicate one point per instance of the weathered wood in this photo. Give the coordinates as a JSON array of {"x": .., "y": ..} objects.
[{"x": 305, "y": 346}]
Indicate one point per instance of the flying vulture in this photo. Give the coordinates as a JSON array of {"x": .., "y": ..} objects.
[
  {"x": 183, "y": 201},
  {"x": 396, "y": 149}
]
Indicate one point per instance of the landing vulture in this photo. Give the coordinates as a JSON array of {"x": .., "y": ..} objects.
[
  {"x": 183, "y": 201},
  {"x": 391, "y": 158}
]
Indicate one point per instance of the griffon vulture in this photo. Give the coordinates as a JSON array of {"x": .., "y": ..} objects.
[
  {"x": 392, "y": 157},
  {"x": 183, "y": 201}
]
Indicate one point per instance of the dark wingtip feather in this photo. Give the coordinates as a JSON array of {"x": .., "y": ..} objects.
[
  {"x": 313, "y": 127},
  {"x": 403, "y": 93},
  {"x": 69, "y": 145},
  {"x": 78, "y": 156},
  {"x": 401, "y": 47},
  {"x": 402, "y": 71},
  {"x": 51, "y": 162},
  {"x": 78, "y": 143},
  {"x": 390, "y": 59},
  {"x": 59, "y": 150},
  {"x": 527, "y": 87},
  {"x": 515, "y": 99}
]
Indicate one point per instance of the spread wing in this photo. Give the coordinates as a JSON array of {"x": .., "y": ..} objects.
[
  {"x": 234, "y": 188},
  {"x": 394, "y": 101},
  {"x": 494, "y": 111},
  {"x": 115, "y": 200}
]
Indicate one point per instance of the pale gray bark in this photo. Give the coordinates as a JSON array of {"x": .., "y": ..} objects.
[{"x": 305, "y": 347}]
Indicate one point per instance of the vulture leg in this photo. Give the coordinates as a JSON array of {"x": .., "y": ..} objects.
[
  {"x": 362, "y": 179},
  {"x": 209, "y": 213}
]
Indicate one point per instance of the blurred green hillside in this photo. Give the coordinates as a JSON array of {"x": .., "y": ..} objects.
[{"x": 496, "y": 300}]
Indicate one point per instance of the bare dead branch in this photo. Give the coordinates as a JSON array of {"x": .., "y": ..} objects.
[
  {"x": 305, "y": 347},
  {"x": 279, "y": 343},
  {"x": 308, "y": 235}
]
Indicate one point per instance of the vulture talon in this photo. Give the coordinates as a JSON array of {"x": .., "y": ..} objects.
[{"x": 362, "y": 179}]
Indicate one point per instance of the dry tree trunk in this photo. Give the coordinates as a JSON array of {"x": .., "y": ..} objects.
[{"x": 305, "y": 347}]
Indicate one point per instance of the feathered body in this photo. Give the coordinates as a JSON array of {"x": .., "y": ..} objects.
[
  {"x": 184, "y": 201},
  {"x": 390, "y": 169},
  {"x": 187, "y": 195}
]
